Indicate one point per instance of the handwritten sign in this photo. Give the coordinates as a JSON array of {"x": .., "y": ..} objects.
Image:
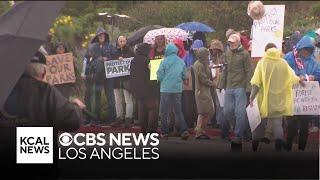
[
  {"x": 60, "y": 69},
  {"x": 116, "y": 68},
  {"x": 154, "y": 66},
  {"x": 269, "y": 29},
  {"x": 307, "y": 99},
  {"x": 253, "y": 114}
]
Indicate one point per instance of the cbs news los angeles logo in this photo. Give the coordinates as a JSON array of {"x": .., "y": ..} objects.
[
  {"x": 34, "y": 145},
  {"x": 108, "y": 146}
]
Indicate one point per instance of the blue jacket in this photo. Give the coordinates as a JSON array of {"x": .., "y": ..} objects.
[
  {"x": 172, "y": 71},
  {"x": 311, "y": 66}
]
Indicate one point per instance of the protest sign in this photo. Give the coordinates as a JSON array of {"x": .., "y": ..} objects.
[
  {"x": 154, "y": 66},
  {"x": 269, "y": 29},
  {"x": 306, "y": 99},
  {"x": 253, "y": 114},
  {"x": 117, "y": 68},
  {"x": 220, "y": 97},
  {"x": 60, "y": 69}
]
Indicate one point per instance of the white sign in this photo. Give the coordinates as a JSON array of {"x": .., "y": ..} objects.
[
  {"x": 34, "y": 145},
  {"x": 254, "y": 115},
  {"x": 269, "y": 29},
  {"x": 117, "y": 68},
  {"x": 307, "y": 99},
  {"x": 220, "y": 97}
]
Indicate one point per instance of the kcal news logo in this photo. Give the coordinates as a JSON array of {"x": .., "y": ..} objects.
[
  {"x": 109, "y": 146},
  {"x": 34, "y": 145}
]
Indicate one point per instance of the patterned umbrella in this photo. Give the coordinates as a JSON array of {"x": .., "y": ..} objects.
[{"x": 169, "y": 33}]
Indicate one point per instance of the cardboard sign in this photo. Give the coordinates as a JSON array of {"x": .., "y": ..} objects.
[
  {"x": 117, "y": 68},
  {"x": 253, "y": 114},
  {"x": 154, "y": 66},
  {"x": 269, "y": 29},
  {"x": 60, "y": 69},
  {"x": 307, "y": 99}
]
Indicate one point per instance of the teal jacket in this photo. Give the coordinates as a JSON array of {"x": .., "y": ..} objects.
[{"x": 172, "y": 71}]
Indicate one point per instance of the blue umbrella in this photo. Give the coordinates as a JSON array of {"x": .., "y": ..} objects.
[{"x": 195, "y": 26}]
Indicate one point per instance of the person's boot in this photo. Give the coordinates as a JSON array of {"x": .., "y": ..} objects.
[
  {"x": 278, "y": 145},
  {"x": 255, "y": 145},
  {"x": 236, "y": 145}
]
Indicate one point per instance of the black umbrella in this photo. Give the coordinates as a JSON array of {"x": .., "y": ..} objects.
[
  {"x": 22, "y": 30},
  {"x": 137, "y": 36}
]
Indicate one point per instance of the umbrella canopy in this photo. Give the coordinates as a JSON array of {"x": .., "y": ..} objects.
[
  {"x": 137, "y": 36},
  {"x": 169, "y": 33},
  {"x": 195, "y": 26},
  {"x": 22, "y": 30}
]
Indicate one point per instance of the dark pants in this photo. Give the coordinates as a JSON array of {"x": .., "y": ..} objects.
[
  {"x": 298, "y": 122},
  {"x": 111, "y": 108},
  {"x": 189, "y": 108},
  {"x": 148, "y": 114}
]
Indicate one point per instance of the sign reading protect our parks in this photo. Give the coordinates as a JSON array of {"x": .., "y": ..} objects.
[
  {"x": 117, "y": 68},
  {"x": 60, "y": 69}
]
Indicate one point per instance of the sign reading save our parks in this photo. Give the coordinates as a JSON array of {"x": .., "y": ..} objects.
[
  {"x": 60, "y": 69},
  {"x": 307, "y": 99},
  {"x": 269, "y": 29},
  {"x": 117, "y": 68}
]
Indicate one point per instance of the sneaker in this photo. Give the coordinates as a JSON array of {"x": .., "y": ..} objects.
[{"x": 185, "y": 135}]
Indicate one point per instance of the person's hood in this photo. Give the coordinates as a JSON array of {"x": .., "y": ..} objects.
[
  {"x": 272, "y": 54},
  {"x": 305, "y": 42},
  {"x": 101, "y": 31},
  {"x": 202, "y": 55},
  {"x": 180, "y": 46},
  {"x": 197, "y": 44},
  {"x": 216, "y": 44},
  {"x": 171, "y": 49},
  {"x": 143, "y": 49}
]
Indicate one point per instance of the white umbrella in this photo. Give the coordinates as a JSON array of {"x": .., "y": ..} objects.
[{"x": 169, "y": 33}]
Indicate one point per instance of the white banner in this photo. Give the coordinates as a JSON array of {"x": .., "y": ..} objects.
[
  {"x": 307, "y": 99},
  {"x": 269, "y": 29},
  {"x": 117, "y": 68},
  {"x": 254, "y": 115}
]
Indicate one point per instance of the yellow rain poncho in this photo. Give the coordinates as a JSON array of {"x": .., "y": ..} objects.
[{"x": 275, "y": 78}]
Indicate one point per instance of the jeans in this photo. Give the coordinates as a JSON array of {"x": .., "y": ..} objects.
[
  {"x": 235, "y": 102},
  {"x": 167, "y": 102}
]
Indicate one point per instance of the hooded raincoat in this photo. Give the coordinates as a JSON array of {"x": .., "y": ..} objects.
[
  {"x": 172, "y": 71},
  {"x": 203, "y": 83},
  {"x": 275, "y": 79},
  {"x": 311, "y": 66}
]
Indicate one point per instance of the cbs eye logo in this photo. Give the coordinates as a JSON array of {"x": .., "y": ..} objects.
[{"x": 65, "y": 139}]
